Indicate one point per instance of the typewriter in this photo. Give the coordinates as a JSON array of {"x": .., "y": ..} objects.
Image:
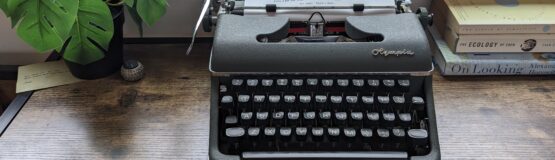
[{"x": 320, "y": 79}]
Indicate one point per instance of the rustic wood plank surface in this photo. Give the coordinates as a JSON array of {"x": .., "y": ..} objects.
[{"x": 165, "y": 116}]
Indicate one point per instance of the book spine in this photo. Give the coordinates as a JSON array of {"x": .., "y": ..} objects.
[
  {"x": 498, "y": 67},
  {"x": 502, "y": 43},
  {"x": 504, "y": 29}
]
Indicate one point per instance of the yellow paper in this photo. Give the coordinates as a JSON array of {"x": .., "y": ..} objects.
[
  {"x": 43, "y": 75},
  {"x": 502, "y": 12}
]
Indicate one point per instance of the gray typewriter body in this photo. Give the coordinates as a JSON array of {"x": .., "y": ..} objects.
[
  {"x": 365, "y": 57},
  {"x": 404, "y": 48}
]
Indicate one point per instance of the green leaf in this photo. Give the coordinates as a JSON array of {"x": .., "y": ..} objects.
[
  {"x": 151, "y": 10},
  {"x": 43, "y": 24},
  {"x": 91, "y": 34},
  {"x": 136, "y": 18},
  {"x": 4, "y": 7}
]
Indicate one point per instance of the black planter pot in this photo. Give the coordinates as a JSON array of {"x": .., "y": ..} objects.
[{"x": 113, "y": 58}]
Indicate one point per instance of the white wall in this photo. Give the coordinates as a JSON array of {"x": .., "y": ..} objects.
[
  {"x": 178, "y": 22},
  {"x": 13, "y": 51}
]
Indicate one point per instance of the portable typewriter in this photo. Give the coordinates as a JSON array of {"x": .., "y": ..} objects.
[{"x": 320, "y": 79}]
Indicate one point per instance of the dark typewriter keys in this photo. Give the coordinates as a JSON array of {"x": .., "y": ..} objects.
[
  {"x": 418, "y": 136},
  {"x": 227, "y": 102},
  {"x": 234, "y": 133},
  {"x": 278, "y": 118},
  {"x": 259, "y": 98},
  {"x": 289, "y": 99},
  {"x": 231, "y": 121},
  {"x": 269, "y": 134},
  {"x": 259, "y": 102},
  {"x": 305, "y": 99},
  {"x": 337, "y": 103},
  {"x": 384, "y": 100},
  {"x": 267, "y": 83},
  {"x": 399, "y": 102},
  {"x": 372, "y": 119},
  {"x": 366, "y": 134},
  {"x": 321, "y": 113},
  {"x": 388, "y": 84},
  {"x": 388, "y": 118},
  {"x": 237, "y": 82},
  {"x": 261, "y": 118},
  {"x": 246, "y": 119},
  {"x": 293, "y": 119},
  {"x": 343, "y": 83},
  {"x": 305, "y": 102},
  {"x": 244, "y": 102},
  {"x": 404, "y": 85},
  {"x": 324, "y": 119},
  {"x": 334, "y": 134},
  {"x": 405, "y": 118},
  {"x": 309, "y": 118},
  {"x": 356, "y": 119},
  {"x": 373, "y": 84},
  {"x": 253, "y": 134},
  {"x": 357, "y": 83},
  {"x": 352, "y": 102},
  {"x": 327, "y": 82},
  {"x": 383, "y": 135},
  {"x": 252, "y": 83},
  {"x": 223, "y": 88},
  {"x": 312, "y": 84},
  {"x": 274, "y": 101},
  {"x": 317, "y": 134},
  {"x": 282, "y": 84},
  {"x": 285, "y": 134},
  {"x": 297, "y": 84},
  {"x": 320, "y": 101},
  {"x": 350, "y": 135},
  {"x": 290, "y": 102},
  {"x": 339, "y": 119},
  {"x": 398, "y": 135},
  {"x": 234, "y": 136},
  {"x": 417, "y": 103},
  {"x": 368, "y": 102},
  {"x": 301, "y": 134}
]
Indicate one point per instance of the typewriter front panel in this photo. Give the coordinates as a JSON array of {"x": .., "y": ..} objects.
[{"x": 314, "y": 113}]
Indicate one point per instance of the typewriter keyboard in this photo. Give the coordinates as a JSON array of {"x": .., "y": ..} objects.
[{"x": 322, "y": 113}]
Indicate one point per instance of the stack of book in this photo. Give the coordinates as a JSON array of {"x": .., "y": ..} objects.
[{"x": 494, "y": 37}]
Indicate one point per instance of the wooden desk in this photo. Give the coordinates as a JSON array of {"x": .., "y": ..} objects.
[{"x": 166, "y": 115}]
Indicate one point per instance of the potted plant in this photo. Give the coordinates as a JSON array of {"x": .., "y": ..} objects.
[{"x": 88, "y": 33}]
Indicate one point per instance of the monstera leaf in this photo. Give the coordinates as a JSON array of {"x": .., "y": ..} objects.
[
  {"x": 44, "y": 24},
  {"x": 91, "y": 33},
  {"x": 151, "y": 10}
]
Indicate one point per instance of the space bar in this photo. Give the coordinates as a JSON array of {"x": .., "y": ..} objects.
[{"x": 326, "y": 155}]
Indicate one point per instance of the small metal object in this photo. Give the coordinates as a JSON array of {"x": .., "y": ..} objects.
[{"x": 132, "y": 70}]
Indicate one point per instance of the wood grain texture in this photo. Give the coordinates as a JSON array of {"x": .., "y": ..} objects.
[{"x": 165, "y": 116}]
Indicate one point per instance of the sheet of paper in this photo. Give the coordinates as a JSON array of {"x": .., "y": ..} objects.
[
  {"x": 43, "y": 75},
  {"x": 328, "y": 14},
  {"x": 318, "y": 3},
  {"x": 331, "y": 10}
]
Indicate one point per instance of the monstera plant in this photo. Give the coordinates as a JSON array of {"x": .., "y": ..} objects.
[{"x": 85, "y": 32}]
